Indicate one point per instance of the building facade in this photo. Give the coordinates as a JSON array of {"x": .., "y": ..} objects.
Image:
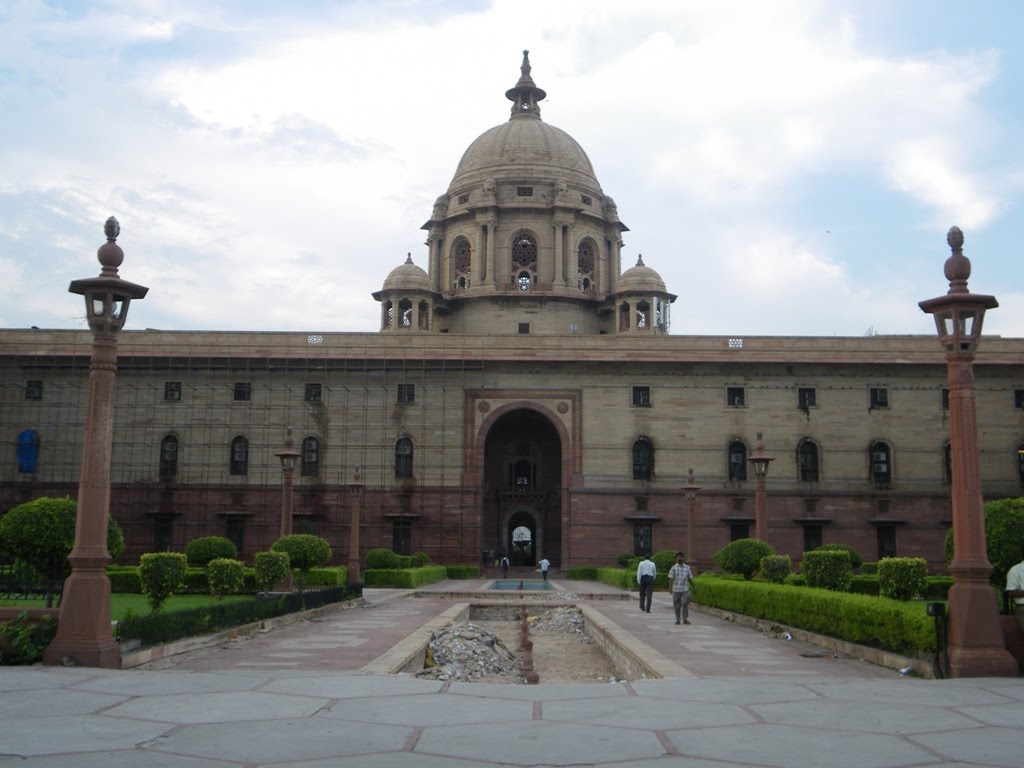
[{"x": 525, "y": 395}]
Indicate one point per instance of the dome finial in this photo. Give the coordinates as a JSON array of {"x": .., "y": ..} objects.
[
  {"x": 408, "y": 257},
  {"x": 640, "y": 260},
  {"x": 526, "y": 95}
]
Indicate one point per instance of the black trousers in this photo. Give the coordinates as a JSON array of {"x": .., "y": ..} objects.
[{"x": 646, "y": 593}]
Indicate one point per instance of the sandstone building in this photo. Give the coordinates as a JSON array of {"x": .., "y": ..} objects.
[{"x": 524, "y": 394}]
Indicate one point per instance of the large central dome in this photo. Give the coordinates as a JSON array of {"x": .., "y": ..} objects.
[{"x": 525, "y": 146}]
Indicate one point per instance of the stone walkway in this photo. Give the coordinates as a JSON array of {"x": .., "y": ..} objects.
[{"x": 301, "y": 696}]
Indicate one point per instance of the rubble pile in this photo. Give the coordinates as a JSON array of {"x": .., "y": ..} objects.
[
  {"x": 567, "y": 620},
  {"x": 467, "y": 653}
]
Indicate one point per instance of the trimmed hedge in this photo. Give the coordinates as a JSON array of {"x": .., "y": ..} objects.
[
  {"x": 901, "y": 578},
  {"x": 225, "y": 576},
  {"x": 124, "y": 578},
  {"x": 380, "y": 559},
  {"x": 742, "y": 556},
  {"x": 827, "y": 569},
  {"x": 206, "y": 548},
  {"x": 161, "y": 574},
  {"x": 404, "y": 578},
  {"x": 270, "y": 569},
  {"x": 775, "y": 568},
  {"x": 873, "y": 621},
  {"x": 462, "y": 571},
  {"x": 856, "y": 561},
  {"x": 582, "y": 573}
]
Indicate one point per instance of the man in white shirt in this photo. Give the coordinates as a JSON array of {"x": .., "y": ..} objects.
[
  {"x": 1015, "y": 589},
  {"x": 544, "y": 565},
  {"x": 645, "y": 573}
]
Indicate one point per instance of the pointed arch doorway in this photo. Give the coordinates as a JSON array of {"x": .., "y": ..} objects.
[{"x": 523, "y": 471}]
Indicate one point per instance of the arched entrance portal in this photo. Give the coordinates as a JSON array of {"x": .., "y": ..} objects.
[{"x": 523, "y": 474}]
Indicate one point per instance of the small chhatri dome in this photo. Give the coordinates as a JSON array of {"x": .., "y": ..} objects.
[
  {"x": 407, "y": 277},
  {"x": 640, "y": 278}
]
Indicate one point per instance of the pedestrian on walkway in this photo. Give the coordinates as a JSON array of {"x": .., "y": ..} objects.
[
  {"x": 1015, "y": 589},
  {"x": 680, "y": 578},
  {"x": 504, "y": 566},
  {"x": 544, "y": 565},
  {"x": 645, "y": 573}
]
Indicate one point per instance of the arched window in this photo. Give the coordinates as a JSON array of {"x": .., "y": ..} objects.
[
  {"x": 239, "y": 463},
  {"x": 168, "y": 457},
  {"x": 585, "y": 265},
  {"x": 424, "y": 315},
  {"x": 389, "y": 315},
  {"x": 405, "y": 314},
  {"x": 462, "y": 262},
  {"x": 947, "y": 464},
  {"x": 310, "y": 456},
  {"x": 643, "y": 315},
  {"x": 807, "y": 461},
  {"x": 403, "y": 457},
  {"x": 524, "y": 261},
  {"x": 643, "y": 459},
  {"x": 624, "y": 317},
  {"x": 737, "y": 457},
  {"x": 880, "y": 458}
]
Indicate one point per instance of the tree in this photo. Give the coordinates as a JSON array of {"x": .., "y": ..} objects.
[
  {"x": 305, "y": 551},
  {"x": 40, "y": 534},
  {"x": 1004, "y": 537},
  {"x": 742, "y": 556}
]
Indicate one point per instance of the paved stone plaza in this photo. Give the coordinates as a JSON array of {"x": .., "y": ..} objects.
[{"x": 302, "y": 696}]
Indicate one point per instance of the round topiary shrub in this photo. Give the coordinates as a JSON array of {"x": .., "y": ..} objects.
[
  {"x": 902, "y": 578},
  {"x": 381, "y": 558},
  {"x": 224, "y": 576},
  {"x": 41, "y": 533},
  {"x": 162, "y": 574},
  {"x": 623, "y": 560},
  {"x": 271, "y": 568},
  {"x": 419, "y": 559},
  {"x": 202, "y": 550},
  {"x": 855, "y": 559},
  {"x": 664, "y": 560},
  {"x": 305, "y": 551},
  {"x": 775, "y": 568},
  {"x": 742, "y": 556}
]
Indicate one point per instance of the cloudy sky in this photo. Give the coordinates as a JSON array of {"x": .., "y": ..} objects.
[{"x": 788, "y": 167}]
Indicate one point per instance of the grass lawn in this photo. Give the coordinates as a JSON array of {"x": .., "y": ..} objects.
[{"x": 121, "y": 603}]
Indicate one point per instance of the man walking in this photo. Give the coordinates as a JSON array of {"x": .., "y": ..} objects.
[
  {"x": 1015, "y": 589},
  {"x": 645, "y": 573},
  {"x": 680, "y": 580},
  {"x": 544, "y": 565}
]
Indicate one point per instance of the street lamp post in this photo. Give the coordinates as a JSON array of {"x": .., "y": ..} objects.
[
  {"x": 760, "y": 461},
  {"x": 690, "y": 491},
  {"x": 976, "y": 645},
  {"x": 355, "y": 487},
  {"x": 289, "y": 458},
  {"x": 83, "y": 627}
]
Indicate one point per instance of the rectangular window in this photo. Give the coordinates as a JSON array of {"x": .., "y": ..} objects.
[
  {"x": 642, "y": 540},
  {"x": 642, "y": 397},
  {"x": 243, "y": 391},
  {"x": 172, "y": 393},
  {"x": 234, "y": 530},
  {"x": 524, "y": 191},
  {"x": 523, "y": 328},
  {"x": 806, "y": 398},
  {"x": 945, "y": 399},
  {"x": 401, "y": 537},
  {"x": 1018, "y": 398},
  {"x": 407, "y": 393},
  {"x": 735, "y": 397},
  {"x": 739, "y": 531},
  {"x": 163, "y": 530},
  {"x": 879, "y": 397},
  {"x": 313, "y": 393},
  {"x": 886, "y": 541},
  {"x": 812, "y": 537},
  {"x": 34, "y": 389}
]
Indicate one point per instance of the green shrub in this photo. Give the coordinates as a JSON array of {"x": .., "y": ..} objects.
[
  {"x": 41, "y": 533},
  {"x": 864, "y": 585},
  {"x": 381, "y": 558},
  {"x": 827, "y": 569},
  {"x": 330, "y": 576},
  {"x": 937, "y": 587},
  {"x": 869, "y": 569},
  {"x": 124, "y": 578},
  {"x": 1004, "y": 537},
  {"x": 305, "y": 551},
  {"x": 271, "y": 568},
  {"x": 742, "y": 556},
  {"x": 161, "y": 574},
  {"x": 623, "y": 560},
  {"x": 419, "y": 559},
  {"x": 404, "y": 577},
  {"x": 623, "y": 578},
  {"x": 856, "y": 561},
  {"x": 202, "y": 550},
  {"x": 224, "y": 576},
  {"x": 462, "y": 571},
  {"x": 775, "y": 568},
  {"x": 664, "y": 560},
  {"x": 901, "y": 578},
  {"x": 581, "y": 573},
  {"x": 23, "y": 640}
]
